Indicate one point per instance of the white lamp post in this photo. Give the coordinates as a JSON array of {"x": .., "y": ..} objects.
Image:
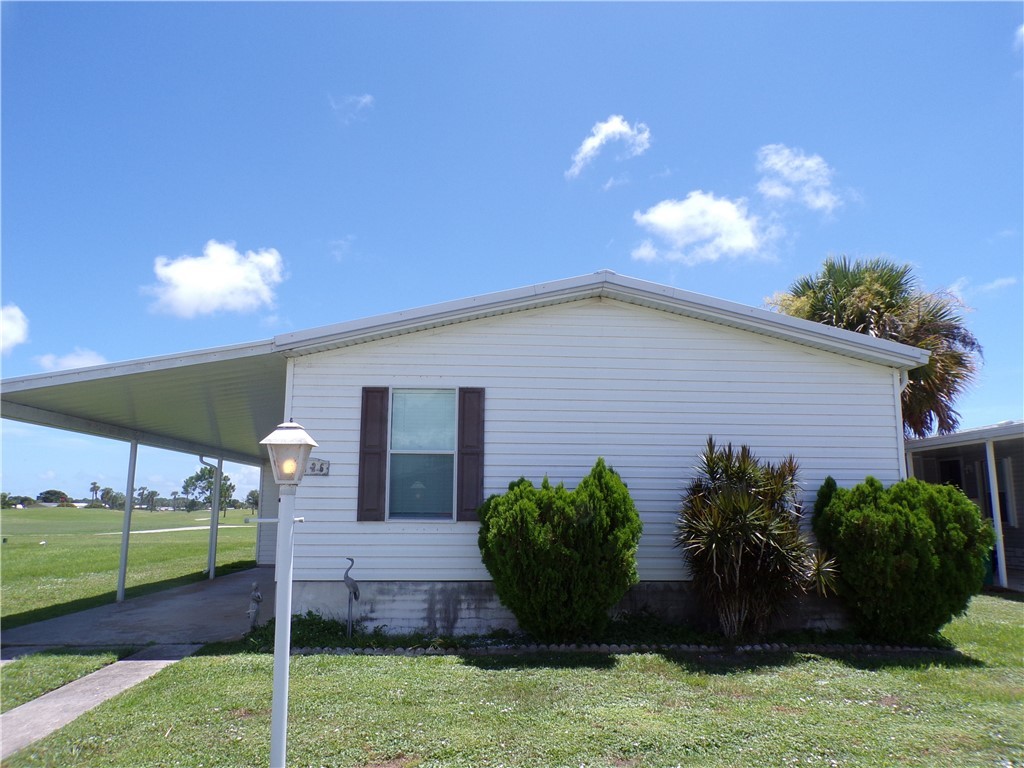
[{"x": 289, "y": 448}]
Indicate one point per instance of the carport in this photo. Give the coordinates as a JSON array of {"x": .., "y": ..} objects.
[
  {"x": 987, "y": 464},
  {"x": 216, "y": 404}
]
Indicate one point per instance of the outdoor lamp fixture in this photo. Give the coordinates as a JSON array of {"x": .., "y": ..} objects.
[{"x": 289, "y": 448}]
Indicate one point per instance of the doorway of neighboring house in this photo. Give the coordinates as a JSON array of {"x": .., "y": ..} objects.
[{"x": 951, "y": 472}]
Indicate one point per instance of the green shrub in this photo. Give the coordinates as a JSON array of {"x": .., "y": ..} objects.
[
  {"x": 560, "y": 559},
  {"x": 739, "y": 527},
  {"x": 910, "y": 557}
]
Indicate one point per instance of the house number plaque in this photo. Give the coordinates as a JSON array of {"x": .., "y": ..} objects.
[{"x": 318, "y": 467}]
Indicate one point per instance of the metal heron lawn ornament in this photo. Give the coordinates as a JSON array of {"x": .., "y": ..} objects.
[{"x": 353, "y": 591}]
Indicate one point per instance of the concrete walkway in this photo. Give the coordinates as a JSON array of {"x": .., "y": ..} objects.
[
  {"x": 171, "y": 624},
  {"x": 203, "y": 612},
  {"x": 30, "y": 722}
]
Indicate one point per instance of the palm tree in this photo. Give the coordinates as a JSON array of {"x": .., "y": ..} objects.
[
  {"x": 882, "y": 299},
  {"x": 94, "y": 489}
]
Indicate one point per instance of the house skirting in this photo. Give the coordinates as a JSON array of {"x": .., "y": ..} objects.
[{"x": 447, "y": 608}]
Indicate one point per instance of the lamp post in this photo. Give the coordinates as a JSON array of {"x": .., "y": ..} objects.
[{"x": 289, "y": 448}]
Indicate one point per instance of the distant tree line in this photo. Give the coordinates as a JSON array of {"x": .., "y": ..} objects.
[{"x": 196, "y": 493}]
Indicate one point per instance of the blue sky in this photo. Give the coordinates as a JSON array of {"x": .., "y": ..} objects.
[{"x": 177, "y": 176}]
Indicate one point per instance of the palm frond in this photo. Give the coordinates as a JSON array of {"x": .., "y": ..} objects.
[{"x": 880, "y": 298}]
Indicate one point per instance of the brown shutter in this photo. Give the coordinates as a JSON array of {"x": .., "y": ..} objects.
[
  {"x": 470, "y": 471},
  {"x": 373, "y": 454}
]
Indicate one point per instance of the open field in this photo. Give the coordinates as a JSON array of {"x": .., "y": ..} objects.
[
  {"x": 77, "y": 566},
  {"x": 780, "y": 709}
]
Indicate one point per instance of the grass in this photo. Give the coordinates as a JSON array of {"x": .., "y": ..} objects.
[
  {"x": 30, "y": 677},
  {"x": 86, "y": 543},
  {"x": 960, "y": 708}
]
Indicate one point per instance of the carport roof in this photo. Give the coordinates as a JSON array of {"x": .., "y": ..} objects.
[
  {"x": 219, "y": 402},
  {"x": 1004, "y": 430},
  {"x": 222, "y": 402}
]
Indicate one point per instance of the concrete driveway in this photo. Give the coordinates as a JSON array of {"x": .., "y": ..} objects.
[{"x": 203, "y": 612}]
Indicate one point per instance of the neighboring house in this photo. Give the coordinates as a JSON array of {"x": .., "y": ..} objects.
[
  {"x": 987, "y": 464},
  {"x": 420, "y": 415}
]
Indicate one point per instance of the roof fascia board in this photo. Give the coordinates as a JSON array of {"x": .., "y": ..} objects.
[
  {"x": 609, "y": 285},
  {"x": 142, "y": 365},
  {"x": 39, "y": 416},
  {"x": 1013, "y": 430},
  {"x": 774, "y": 324},
  {"x": 435, "y": 315}
]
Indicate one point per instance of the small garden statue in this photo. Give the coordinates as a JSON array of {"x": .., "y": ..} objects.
[{"x": 255, "y": 598}]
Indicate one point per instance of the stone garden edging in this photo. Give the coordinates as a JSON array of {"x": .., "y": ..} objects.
[{"x": 613, "y": 648}]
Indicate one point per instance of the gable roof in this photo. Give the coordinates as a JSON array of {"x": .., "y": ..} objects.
[
  {"x": 223, "y": 401},
  {"x": 607, "y": 284}
]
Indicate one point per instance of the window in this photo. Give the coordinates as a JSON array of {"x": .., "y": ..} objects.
[
  {"x": 425, "y": 462},
  {"x": 421, "y": 462}
]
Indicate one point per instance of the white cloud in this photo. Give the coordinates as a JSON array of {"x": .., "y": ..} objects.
[
  {"x": 341, "y": 248},
  {"x": 615, "y": 128},
  {"x": 351, "y": 107},
  {"x": 774, "y": 189},
  {"x": 614, "y": 181},
  {"x": 997, "y": 284},
  {"x": 13, "y": 328},
  {"x": 645, "y": 252},
  {"x": 789, "y": 173},
  {"x": 962, "y": 287},
  {"x": 1018, "y": 39},
  {"x": 698, "y": 229},
  {"x": 221, "y": 280},
  {"x": 958, "y": 287},
  {"x": 79, "y": 358}
]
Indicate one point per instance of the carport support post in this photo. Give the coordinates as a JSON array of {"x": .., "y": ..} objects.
[
  {"x": 129, "y": 495},
  {"x": 282, "y": 627},
  {"x": 211, "y": 560},
  {"x": 997, "y": 512}
]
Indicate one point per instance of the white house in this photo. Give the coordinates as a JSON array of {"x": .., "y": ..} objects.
[{"x": 420, "y": 415}]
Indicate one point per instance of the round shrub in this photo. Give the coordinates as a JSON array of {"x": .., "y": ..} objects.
[
  {"x": 560, "y": 559},
  {"x": 909, "y": 557}
]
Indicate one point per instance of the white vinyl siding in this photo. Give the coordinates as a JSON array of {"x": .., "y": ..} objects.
[{"x": 566, "y": 384}]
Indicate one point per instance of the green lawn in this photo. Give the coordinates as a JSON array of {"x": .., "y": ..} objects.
[
  {"x": 77, "y": 566},
  {"x": 783, "y": 709}
]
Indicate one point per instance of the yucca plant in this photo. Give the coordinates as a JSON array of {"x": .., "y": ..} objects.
[{"x": 739, "y": 527}]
